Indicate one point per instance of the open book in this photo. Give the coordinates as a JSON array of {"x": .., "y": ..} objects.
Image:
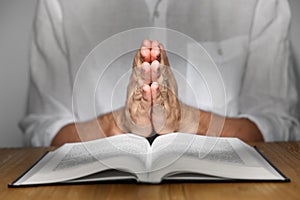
[{"x": 170, "y": 157}]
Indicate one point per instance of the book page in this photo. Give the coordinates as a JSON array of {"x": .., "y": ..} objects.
[
  {"x": 125, "y": 152},
  {"x": 214, "y": 156}
]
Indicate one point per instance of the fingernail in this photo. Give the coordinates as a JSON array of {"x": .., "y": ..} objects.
[{"x": 154, "y": 85}]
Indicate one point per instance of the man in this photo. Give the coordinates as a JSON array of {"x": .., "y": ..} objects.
[
  {"x": 152, "y": 105},
  {"x": 239, "y": 36}
]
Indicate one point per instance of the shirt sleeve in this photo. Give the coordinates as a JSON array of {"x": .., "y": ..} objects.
[
  {"x": 268, "y": 95},
  {"x": 50, "y": 91}
]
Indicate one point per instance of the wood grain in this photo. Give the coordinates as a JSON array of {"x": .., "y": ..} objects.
[{"x": 286, "y": 156}]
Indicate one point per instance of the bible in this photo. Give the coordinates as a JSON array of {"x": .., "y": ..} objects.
[{"x": 171, "y": 157}]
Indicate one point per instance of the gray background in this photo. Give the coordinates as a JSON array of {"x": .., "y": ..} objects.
[{"x": 16, "y": 18}]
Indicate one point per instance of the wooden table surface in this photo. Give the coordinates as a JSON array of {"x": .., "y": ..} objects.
[{"x": 285, "y": 156}]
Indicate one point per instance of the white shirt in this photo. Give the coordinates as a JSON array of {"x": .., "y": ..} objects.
[{"x": 248, "y": 40}]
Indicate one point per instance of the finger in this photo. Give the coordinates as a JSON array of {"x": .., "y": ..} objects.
[
  {"x": 141, "y": 99},
  {"x": 155, "y": 51},
  {"x": 158, "y": 116},
  {"x": 155, "y": 71},
  {"x": 156, "y": 94},
  {"x": 137, "y": 59},
  {"x": 146, "y": 100},
  {"x": 164, "y": 58},
  {"x": 145, "y": 51},
  {"x": 138, "y": 111},
  {"x": 146, "y": 73},
  {"x": 141, "y": 75},
  {"x": 167, "y": 71}
]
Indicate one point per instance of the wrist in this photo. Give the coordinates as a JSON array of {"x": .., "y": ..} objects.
[
  {"x": 189, "y": 119},
  {"x": 211, "y": 124},
  {"x": 108, "y": 124},
  {"x": 204, "y": 119}
]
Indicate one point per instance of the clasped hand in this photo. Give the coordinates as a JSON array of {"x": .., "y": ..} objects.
[{"x": 152, "y": 104}]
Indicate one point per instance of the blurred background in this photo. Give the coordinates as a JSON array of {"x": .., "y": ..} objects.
[{"x": 16, "y": 18}]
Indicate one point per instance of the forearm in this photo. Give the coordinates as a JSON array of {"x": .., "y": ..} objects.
[
  {"x": 101, "y": 127},
  {"x": 206, "y": 123},
  {"x": 216, "y": 125}
]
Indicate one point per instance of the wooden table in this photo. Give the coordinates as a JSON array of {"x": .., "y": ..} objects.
[{"x": 286, "y": 156}]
